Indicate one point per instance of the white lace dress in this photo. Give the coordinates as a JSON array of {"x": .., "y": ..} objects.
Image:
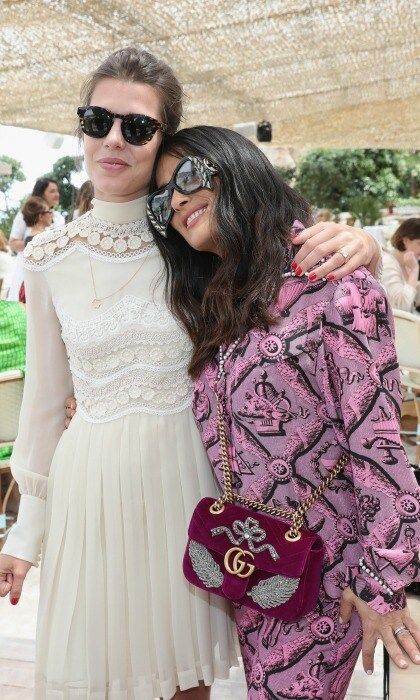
[{"x": 110, "y": 498}]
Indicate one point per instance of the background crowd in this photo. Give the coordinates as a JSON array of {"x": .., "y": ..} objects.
[{"x": 397, "y": 231}]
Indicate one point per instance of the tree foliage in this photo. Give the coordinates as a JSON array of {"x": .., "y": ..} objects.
[
  {"x": 338, "y": 178},
  {"x": 7, "y": 181},
  {"x": 8, "y": 212},
  {"x": 366, "y": 208},
  {"x": 7, "y": 218}
]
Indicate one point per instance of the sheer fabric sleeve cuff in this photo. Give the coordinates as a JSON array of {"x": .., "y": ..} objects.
[
  {"x": 30, "y": 483},
  {"x": 24, "y": 540}
]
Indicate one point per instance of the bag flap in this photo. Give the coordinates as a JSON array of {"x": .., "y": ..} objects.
[{"x": 261, "y": 534}]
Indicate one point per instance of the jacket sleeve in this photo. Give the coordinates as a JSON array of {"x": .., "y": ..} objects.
[
  {"x": 361, "y": 380},
  {"x": 47, "y": 384}
]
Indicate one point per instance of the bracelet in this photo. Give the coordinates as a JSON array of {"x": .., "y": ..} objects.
[{"x": 369, "y": 572}]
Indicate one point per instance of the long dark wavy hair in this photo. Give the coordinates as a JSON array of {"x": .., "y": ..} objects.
[{"x": 218, "y": 299}]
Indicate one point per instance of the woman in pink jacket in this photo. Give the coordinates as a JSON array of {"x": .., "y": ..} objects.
[{"x": 308, "y": 368}]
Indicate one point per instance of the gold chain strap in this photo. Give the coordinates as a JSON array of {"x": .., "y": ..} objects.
[{"x": 229, "y": 496}]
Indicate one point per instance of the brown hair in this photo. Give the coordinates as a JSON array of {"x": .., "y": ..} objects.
[
  {"x": 3, "y": 243},
  {"x": 135, "y": 65},
  {"x": 84, "y": 198},
  {"x": 410, "y": 228},
  {"x": 32, "y": 209},
  {"x": 220, "y": 299}
]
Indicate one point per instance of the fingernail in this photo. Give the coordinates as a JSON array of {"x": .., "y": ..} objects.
[
  {"x": 14, "y": 601},
  {"x": 330, "y": 277},
  {"x": 340, "y": 619},
  {"x": 312, "y": 276},
  {"x": 369, "y": 672},
  {"x": 417, "y": 657},
  {"x": 298, "y": 270},
  {"x": 294, "y": 265},
  {"x": 403, "y": 664}
]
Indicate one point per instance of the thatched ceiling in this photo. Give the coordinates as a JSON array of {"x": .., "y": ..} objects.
[{"x": 324, "y": 72}]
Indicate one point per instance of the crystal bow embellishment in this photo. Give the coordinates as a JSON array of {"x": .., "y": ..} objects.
[{"x": 248, "y": 531}]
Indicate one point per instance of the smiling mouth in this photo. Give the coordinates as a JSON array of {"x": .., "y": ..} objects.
[
  {"x": 113, "y": 164},
  {"x": 194, "y": 216}
]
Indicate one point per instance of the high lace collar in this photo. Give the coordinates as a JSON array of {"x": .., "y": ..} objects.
[
  {"x": 120, "y": 212},
  {"x": 117, "y": 231}
]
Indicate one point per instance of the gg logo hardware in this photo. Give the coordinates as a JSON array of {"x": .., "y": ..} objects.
[{"x": 237, "y": 565}]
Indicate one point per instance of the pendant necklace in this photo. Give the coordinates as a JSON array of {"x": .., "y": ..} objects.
[{"x": 97, "y": 300}]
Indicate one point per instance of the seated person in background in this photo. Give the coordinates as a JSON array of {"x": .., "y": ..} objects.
[
  {"x": 12, "y": 343},
  {"x": 400, "y": 277},
  {"x": 37, "y": 216},
  {"x": 47, "y": 189},
  {"x": 323, "y": 215}
]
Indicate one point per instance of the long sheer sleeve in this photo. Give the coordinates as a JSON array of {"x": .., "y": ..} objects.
[
  {"x": 47, "y": 384},
  {"x": 362, "y": 387}
]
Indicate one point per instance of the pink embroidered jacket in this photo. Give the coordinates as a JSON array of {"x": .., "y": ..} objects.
[{"x": 325, "y": 380}]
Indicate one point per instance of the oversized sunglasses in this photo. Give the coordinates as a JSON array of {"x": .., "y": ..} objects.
[
  {"x": 190, "y": 175},
  {"x": 136, "y": 129}
]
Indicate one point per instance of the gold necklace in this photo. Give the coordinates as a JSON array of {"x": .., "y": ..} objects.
[{"x": 97, "y": 301}]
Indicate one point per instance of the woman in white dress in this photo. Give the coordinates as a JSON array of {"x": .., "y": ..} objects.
[
  {"x": 110, "y": 499},
  {"x": 111, "y": 496}
]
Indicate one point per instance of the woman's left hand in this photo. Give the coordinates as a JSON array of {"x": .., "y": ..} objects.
[
  {"x": 376, "y": 626},
  {"x": 325, "y": 238}
]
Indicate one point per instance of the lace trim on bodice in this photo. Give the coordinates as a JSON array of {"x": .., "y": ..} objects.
[
  {"x": 103, "y": 239},
  {"x": 131, "y": 358},
  {"x": 139, "y": 391}
]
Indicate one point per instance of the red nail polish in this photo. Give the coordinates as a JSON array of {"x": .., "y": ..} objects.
[
  {"x": 14, "y": 601},
  {"x": 330, "y": 277},
  {"x": 294, "y": 265},
  {"x": 298, "y": 271},
  {"x": 312, "y": 276}
]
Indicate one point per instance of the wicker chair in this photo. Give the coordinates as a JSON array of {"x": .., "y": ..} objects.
[
  {"x": 11, "y": 391},
  {"x": 407, "y": 340}
]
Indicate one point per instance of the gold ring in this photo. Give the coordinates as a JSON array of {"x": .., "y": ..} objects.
[{"x": 344, "y": 253}]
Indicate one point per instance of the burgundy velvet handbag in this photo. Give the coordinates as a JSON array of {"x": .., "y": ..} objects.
[{"x": 238, "y": 550}]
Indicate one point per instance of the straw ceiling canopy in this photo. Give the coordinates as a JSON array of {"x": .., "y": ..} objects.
[{"x": 325, "y": 73}]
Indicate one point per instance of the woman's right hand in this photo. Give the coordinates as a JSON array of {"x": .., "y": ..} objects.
[
  {"x": 376, "y": 626},
  {"x": 71, "y": 406},
  {"x": 12, "y": 575},
  {"x": 411, "y": 265}
]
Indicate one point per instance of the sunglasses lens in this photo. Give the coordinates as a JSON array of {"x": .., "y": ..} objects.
[
  {"x": 188, "y": 178},
  {"x": 161, "y": 206},
  {"x": 138, "y": 129},
  {"x": 97, "y": 122}
]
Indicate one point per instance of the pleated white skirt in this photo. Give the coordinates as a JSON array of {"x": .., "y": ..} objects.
[{"x": 117, "y": 620}]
